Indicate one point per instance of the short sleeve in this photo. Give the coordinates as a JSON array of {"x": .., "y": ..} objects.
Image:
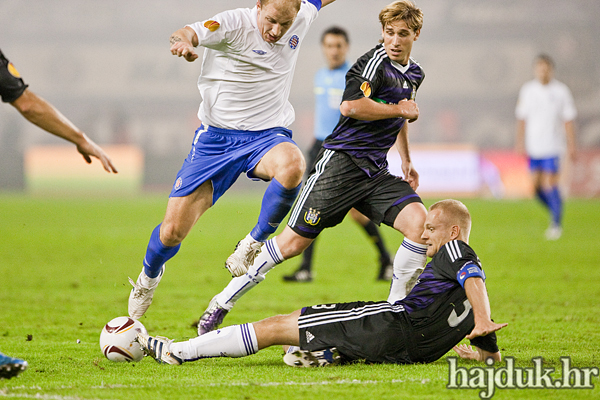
[
  {"x": 214, "y": 32},
  {"x": 569, "y": 112},
  {"x": 521, "y": 109}
]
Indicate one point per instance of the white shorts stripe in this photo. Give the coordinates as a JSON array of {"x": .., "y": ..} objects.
[
  {"x": 310, "y": 183},
  {"x": 328, "y": 317}
]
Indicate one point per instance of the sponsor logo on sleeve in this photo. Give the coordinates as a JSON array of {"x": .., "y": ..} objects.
[
  {"x": 212, "y": 25},
  {"x": 366, "y": 89},
  {"x": 13, "y": 71}
]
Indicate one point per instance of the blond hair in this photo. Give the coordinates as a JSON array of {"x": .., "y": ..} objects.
[
  {"x": 293, "y": 3},
  {"x": 454, "y": 212},
  {"x": 402, "y": 10}
]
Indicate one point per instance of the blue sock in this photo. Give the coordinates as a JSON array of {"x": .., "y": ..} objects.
[
  {"x": 276, "y": 203},
  {"x": 543, "y": 197},
  {"x": 157, "y": 254},
  {"x": 555, "y": 205}
]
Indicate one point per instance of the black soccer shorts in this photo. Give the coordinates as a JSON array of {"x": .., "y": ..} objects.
[
  {"x": 370, "y": 331},
  {"x": 336, "y": 185}
]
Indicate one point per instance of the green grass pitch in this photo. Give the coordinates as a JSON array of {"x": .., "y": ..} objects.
[{"x": 65, "y": 263}]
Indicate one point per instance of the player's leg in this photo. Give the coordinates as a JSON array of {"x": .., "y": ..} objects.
[
  {"x": 410, "y": 258},
  {"x": 304, "y": 271},
  {"x": 232, "y": 341},
  {"x": 540, "y": 193},
  {"x": 385, "y": 262},
  {"x": 320, "y": 205},
  {"x": 555, "y": 205},
  {"x": 181, "y": 215},
  {"x": 283, "y": 165},
  {"x": 286, "y": 245}
]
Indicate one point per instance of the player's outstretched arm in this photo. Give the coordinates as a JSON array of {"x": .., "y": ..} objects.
[
  {"x": 465, "y": 351},
  {"x": 43, "y": 114},
  {"x": 326, "y": 2},
  {"x": 477, "y": 295},
  {"x": 183, "y": 41},
  {"x": 366, "y": 109}
]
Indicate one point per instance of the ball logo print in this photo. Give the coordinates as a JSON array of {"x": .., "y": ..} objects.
[{"x": 118, "y": 340}]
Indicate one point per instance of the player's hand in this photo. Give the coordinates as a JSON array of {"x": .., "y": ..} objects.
[
  {"x": 465, "y": 351},
  {"x": 484, "y": 328},
  {"x": 89, "y": 149},
  {"x": 185, "y": 50},
  {"x": 410, "y": 110},
  {"x": 410, "y": 175},
  {"x": 468, "y": 353}
]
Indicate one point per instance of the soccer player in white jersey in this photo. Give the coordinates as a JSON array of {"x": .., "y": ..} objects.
[
  {"x": 545, "y": 114},
  {"x": 247, "y": 71}
]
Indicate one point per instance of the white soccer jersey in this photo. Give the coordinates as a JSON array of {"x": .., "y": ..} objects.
[
  {"x": 245, "y": 82},
  {"x": 545, "y": 109}
]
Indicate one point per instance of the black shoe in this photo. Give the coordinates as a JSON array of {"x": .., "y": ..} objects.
[
  {"x": 386, "y": 271},
  {"x": 301, "y": 275}
]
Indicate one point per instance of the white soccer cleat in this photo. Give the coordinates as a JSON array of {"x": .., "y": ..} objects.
[
  {"x": 242, "y": 258},
  {"x": 554, "y": 232},
  {"x": 140, "y": 297},
  {"x": 295, "y": 357},
  {"x": 158, "y": 348}
]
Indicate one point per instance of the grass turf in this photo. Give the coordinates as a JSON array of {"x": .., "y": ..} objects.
[{"x": 65, "y": 264}]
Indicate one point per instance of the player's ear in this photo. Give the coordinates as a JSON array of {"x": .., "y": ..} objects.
[
  {"x": 455, "y": 232},
  {"x": 417, "y": 33}
]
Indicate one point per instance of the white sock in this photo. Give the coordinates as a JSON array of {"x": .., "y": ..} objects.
[
  {"x": 408, "y": 265},
  {"x": 268, "y": 258},
  {"x": 148, "y": 282},
  {"x": 231, "y": 341}
]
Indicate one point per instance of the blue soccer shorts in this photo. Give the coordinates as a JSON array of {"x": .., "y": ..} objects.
[
  {"x": 544, "y": 164},
  {"x": 221, "y": 155}
]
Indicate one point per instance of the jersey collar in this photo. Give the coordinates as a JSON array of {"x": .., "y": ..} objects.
[{"x": 400, "y": 67}]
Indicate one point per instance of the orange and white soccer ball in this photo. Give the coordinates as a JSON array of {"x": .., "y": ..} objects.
[{"x": 118, "y": 340}]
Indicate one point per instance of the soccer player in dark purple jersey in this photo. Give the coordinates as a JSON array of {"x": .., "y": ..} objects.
[
  {"x": 351, "y": 169},
  {"x": 448, "y": 303}
]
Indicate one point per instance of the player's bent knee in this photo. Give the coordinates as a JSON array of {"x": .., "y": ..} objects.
[
  {"x": 171, "y": 235},
  {"x": 411, "y": 220}
]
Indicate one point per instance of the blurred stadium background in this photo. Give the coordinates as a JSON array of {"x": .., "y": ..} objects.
[{"x": 107, "y": 67}]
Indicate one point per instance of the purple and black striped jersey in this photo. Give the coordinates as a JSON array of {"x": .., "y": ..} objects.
[
  {"x": 438, "y": 309},
  {"x": 440, "y": 276},
  {"x": 377, "y": 77}
]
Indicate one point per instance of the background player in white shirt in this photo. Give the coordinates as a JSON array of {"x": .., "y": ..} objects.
[
  {"x": 545, "y": 114},
  {"x": 249, "y": 60}
]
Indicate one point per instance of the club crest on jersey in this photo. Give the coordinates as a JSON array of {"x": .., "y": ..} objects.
[
  {"x": 178, "y": 183},
  {"x": 366, "y": 89},
  {"x": 13, "y": 71},
  {"x": 260, "y": 52},
  {"x": 312, "y": 217},
  {"x": 294, "y": 41},
  {"x": 212, "y": 25}
]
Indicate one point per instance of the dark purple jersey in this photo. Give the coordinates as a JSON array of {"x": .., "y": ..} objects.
[
  {"x": 377, "y": 77},
  {"x": 439, "y": 312}
]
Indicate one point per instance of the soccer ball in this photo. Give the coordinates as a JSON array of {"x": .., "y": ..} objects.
[{"x": 118, "y": 340}]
